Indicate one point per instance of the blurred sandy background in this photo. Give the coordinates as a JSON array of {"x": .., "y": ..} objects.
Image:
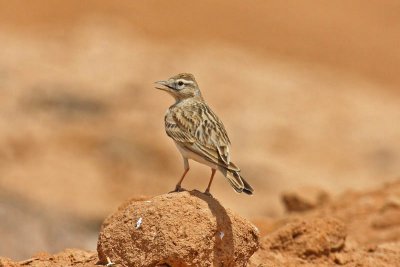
[{"x": 308, "y": 92}]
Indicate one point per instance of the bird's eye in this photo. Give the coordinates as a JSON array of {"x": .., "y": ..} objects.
[{"x": 180, "y": 83}]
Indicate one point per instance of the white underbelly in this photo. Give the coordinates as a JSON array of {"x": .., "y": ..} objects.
[{"x": 186, "y": 153}]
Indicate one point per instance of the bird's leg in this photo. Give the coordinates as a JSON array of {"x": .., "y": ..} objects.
[
  {"x": 207, "y": 192},
  {"x": 178, "y": 187}
]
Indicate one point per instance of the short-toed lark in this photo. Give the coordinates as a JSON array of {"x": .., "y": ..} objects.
[{"x": 198, "y": 133}]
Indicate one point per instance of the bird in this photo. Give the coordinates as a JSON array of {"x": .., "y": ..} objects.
[{"x": 198, "y": 133}]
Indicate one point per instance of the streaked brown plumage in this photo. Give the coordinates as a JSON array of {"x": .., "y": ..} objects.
[{"x": 198, "y": 133}]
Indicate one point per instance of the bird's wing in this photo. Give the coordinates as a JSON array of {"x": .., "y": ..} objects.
[{"x": 196, "y": 127}]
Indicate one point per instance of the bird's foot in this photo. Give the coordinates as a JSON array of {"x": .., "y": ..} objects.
[
  {"x": 178, "y": 189},
  {"x": 207, "y": 192}
]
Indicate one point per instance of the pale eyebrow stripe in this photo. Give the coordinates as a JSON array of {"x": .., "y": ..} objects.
[{"x": 185, "y": 81}]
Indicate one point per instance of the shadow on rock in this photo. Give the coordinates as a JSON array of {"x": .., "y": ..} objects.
[{"x": 224, "y": 240}]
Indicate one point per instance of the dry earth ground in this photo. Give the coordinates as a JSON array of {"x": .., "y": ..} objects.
[{"x": 308, "y": 93}]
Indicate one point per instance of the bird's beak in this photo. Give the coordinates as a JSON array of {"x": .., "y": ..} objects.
[{"x": 164, "y": 83}]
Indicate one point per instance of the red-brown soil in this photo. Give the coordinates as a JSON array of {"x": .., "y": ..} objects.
[
  {"x": 68, "y": 257},
  {"x": 308, "y": 93},
  {"x": 355, "y": 229}
]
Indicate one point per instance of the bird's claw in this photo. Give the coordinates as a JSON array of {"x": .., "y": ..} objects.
[{"x": 177, "y": 189}]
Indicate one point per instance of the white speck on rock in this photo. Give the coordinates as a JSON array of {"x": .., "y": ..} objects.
[
  {"x": 221, "y": 235},
  {"x": 256, "y": 229},
  {"x": 139, "y": 223},
  {"x": 109, "y": 262}
]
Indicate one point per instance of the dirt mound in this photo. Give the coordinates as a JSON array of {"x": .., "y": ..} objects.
[
  {"x": 302, "y": 241},
  {"x": 180, "y": 229},
  {"x": 371, "y": 217},
  {"x": 320, "y": 242},
  {"x": 308, "y": 238},
  {"x": 69, "y": 257},
  {"x": 354, "y": 229},
  {"x": 304, "y": 198}
]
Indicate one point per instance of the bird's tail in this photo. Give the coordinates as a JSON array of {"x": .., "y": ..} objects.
[{"x": 237, "y": 182}]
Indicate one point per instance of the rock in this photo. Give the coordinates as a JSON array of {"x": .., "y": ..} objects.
[
  {"x": 318, "y": 242},
  {"x": 68, "y": 257},
  {"x": 304, "y": 198},
  {"x": 390, "y": 218},
  {"x": 5, "y": 262},
  {"x": 309, "y": 238},
  {"x": 302, "y": 243},
  {"x": 178, "y": 229}
]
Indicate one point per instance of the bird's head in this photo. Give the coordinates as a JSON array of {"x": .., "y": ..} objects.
[{"x": 181, "y": 86}]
